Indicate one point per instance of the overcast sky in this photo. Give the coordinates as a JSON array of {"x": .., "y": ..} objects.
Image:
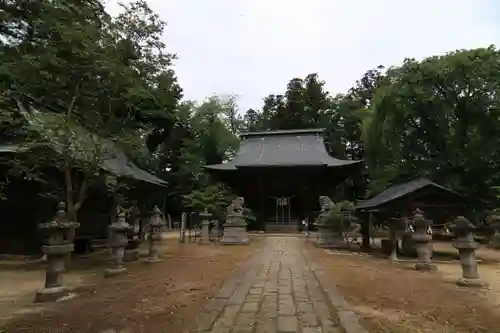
[{"x": 252, "y": 48}]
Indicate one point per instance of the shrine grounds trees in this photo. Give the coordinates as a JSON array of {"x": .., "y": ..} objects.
[
  {"x": 440, "y": 118},
  {"x": 112, "y": 76},
  {"x": 91, "y": 77},
  {"x": 99, "y": 81},
  {"x": 437, "y": 118}
]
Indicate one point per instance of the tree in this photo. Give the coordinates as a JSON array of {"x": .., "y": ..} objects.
[
  {"x": 202, "y": 135},
  {"x": 88, "y": 73},
  {"x": 213, "y": 198},
  {"x": 439, "y": 118}
]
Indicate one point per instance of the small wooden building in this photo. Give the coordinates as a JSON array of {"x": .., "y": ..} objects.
[
  {"x": 24, "y": 207},
  {"x": 438, "y": 202}
]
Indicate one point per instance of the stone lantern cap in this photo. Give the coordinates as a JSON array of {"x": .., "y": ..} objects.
[
  {"x": 156, "y": 220},
  {"x": 205, "y": 214},
  {"x": 120, "y": 225},
  {"x": 462, "y": 224},
  {"x": 463, "y": 229},
  {"x": 60, "y": 221},
  {"x": 421, "y": 223}
]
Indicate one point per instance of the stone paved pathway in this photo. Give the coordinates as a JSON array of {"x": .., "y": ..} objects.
[{"x": 278, "y": 292}]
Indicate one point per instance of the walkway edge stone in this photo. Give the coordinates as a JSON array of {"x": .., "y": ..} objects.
[{"x": 347, "y": 317}]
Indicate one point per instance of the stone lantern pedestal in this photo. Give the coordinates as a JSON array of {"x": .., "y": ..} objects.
[
  {"x": 421, "y": 241},
  {"x": 423, "y": 249},
  {"x": 156, "y": 225},
  {"x": 466, "y": 246},
  {"x": 235, "y": 228},
  {"x": 118, "y": 240},
  {"x": 205, "y": 227},
  {"x": 134, "y": 237},
  {"x": 56, "y": 248}
]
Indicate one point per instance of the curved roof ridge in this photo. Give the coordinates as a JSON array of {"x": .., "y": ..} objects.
[
  {"x": 283, "y": 149},
  {"x": 282, "y": 132}
]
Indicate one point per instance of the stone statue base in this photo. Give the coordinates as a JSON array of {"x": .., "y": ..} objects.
[
  {"x": 235, "y": 234},
  {"x": 152, "y": 260},
  {"x": 328, "y": 239},
  {"x": 114, "y": 271},
  {"x": 475, "y": 283},
  {"x": 204, "y": 241},
  {"x": 324, "y": 238},
  {"x": 424, "y": 266},
  {"x": 131, "y": 255},
  {"x": 494, "y": 242},
  {"x": 393, "y": 257},
  {"x": 51, "y": 294},
  {"x": 205, "y": 234}
]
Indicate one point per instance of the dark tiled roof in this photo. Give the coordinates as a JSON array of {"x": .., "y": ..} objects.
[
  {"x": 398, "y": 191},
  {"x": 282, "y": 148}
]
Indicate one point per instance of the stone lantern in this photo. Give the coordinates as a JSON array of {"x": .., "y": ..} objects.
[
  {"x": 493, "y": 221},
  {"x": 422, "y": 242},
  {"x": 118, "y": 240},
  {"x": 205, "y": 226},
  {"x": 156, "y": 225},
  {"x": 56, "y": 247},
  {"x": 134, "y": 237},
  {"x": 466, "y": 246}
]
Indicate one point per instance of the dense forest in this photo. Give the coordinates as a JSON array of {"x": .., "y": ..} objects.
[{"x": 96, "y": 76}]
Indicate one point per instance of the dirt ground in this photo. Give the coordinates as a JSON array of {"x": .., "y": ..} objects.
[
  {"x": 396, "y": 298},
  {"x": 162, "y": 297}
]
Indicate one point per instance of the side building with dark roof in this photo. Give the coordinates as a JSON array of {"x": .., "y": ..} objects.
[
  {"x": 281, "y": 174},
  {"x": 24, "y": 206}
]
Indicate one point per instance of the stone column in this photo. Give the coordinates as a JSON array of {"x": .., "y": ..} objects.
[
  {"x": 156, "y": 225},
  {"x": 422, "y": 242},
  {"x": 205, "y": 227},
  {"x": 134, "y": 238},
  {"x": 466, "y": 246},
  {"x": 182, "y": 236},
  {"x": 118, "y": 240},
  {"x": 235, "y": 229},
  {"x": 56, "y": 247}
]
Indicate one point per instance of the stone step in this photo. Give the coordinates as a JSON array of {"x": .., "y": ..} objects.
[{"x": 282, "y": 228}]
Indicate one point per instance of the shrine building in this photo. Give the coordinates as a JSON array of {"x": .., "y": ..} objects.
[{"x": 281, "y": 175}]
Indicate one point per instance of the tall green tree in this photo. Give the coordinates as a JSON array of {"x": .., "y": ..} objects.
[
  {"x": 202, "y": 135},
  {"x": 439, "y": 118},
  {"x": 82, "y": 69}
]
